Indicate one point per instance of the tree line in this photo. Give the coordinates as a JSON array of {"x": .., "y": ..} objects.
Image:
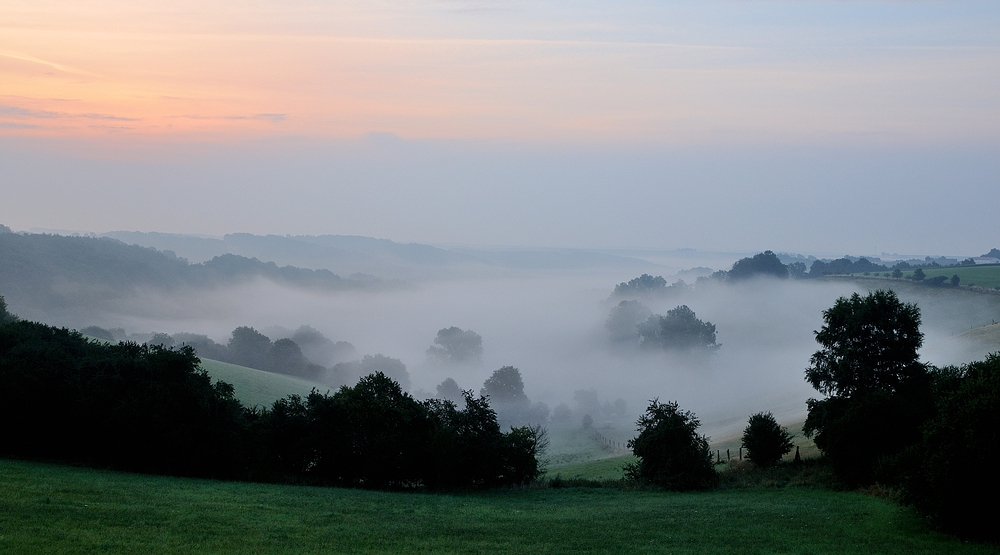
[{"x": 147, "y": 408}]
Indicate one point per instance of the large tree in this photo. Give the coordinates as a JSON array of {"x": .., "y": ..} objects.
[
  {"x": 869, "y": 343},
  {"x": 877, "y": 390}
]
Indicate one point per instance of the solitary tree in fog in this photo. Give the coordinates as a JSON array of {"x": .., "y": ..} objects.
[
  {"x": 457, "y": 345},
  {"x": 680, "y": 330},
  {"x": 505, "y": 387}
]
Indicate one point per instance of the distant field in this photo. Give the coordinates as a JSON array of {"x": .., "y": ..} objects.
[
  {"x": 257, "y": 387},
  {"x": 57, "y": 509},
  {"x": 982, "y": 276}
]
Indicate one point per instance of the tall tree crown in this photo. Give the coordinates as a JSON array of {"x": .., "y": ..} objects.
[{"x": 869, "y": 343}]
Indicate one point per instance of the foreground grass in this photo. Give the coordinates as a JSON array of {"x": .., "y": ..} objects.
[{"x": 58, "y": 509}]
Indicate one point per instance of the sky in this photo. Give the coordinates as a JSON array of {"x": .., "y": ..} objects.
[{"x": 848, "y": 127}]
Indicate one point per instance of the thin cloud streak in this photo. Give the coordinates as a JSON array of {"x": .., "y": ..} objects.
[{"x": 53, "y": 65}]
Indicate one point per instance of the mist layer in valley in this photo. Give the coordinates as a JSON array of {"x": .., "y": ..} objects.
[{"x": 551, "y": 326}]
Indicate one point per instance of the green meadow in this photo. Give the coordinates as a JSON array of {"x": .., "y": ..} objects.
[
  {"x": 59, "y": 509},
  {"x": 257, "y": 387},
  {"x": 980, "y": 276}
]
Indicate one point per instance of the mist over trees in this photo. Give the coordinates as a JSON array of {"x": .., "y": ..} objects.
[
  {"x": 679, "y": 330},
  {"x": 449, "y": 390},
  {"x": 763, "y": 264},
  {"x": 456, "y": 345},
  {"x": 505, "y": 390},
  {"x": 348, "y": 373},
  {"x": 623, "y": 322}
]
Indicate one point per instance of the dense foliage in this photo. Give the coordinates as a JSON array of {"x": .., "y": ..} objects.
[
  {"x": 127, "y": 406},
  {"x": 765, "y": 441},
  {"x": 152, "y": 409},
  {"x": 958, "y": 446},
  {"x": 669, "y": 450},
  {"x": 869, "y": 344}
]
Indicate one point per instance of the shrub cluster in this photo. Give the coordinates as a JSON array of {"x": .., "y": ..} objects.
[{"x": 151, "y": 409}]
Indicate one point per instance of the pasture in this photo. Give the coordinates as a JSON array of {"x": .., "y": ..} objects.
[
  {"x": 59, "y": 509},
  {"x": 980, "y": 276},
  {"x": 257, "y": 387}
]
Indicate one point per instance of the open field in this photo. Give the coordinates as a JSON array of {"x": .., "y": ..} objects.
[
  {"x": 58, "y": 509},
  {"x": 257, "y": 387},
  {"x": 980, "y": 276}
]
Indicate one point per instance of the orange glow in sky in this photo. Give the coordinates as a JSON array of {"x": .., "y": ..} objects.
[{"x": 445, "y": 70}]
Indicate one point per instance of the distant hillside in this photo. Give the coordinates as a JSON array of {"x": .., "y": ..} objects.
[
  {"x": 347, "y": 254},
  {"x": 40, "y": 273}
]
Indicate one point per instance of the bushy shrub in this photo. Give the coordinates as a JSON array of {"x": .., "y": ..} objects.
[
  {"x": 671, "y": 453},
  {"x": 765, "y": 441}
]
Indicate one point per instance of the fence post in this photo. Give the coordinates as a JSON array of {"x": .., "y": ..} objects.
[
  {"x": 741, "y": 453},
  {"x": 728, "y": 458}
]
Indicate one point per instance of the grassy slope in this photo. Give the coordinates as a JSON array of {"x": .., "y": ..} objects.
[
  {"x": 257, "y": 387},
  {"x": 985, "y": 335},
  {"x": 57, "y": 509}
]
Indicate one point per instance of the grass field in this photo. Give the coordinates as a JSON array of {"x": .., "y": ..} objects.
[
  {"x": 58, "y": 509},
  {"x": 981, "y": 276},
  {"x": 257, "y": 387}
]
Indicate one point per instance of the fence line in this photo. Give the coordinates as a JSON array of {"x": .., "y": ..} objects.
[{"x": 611, "y": 445}]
